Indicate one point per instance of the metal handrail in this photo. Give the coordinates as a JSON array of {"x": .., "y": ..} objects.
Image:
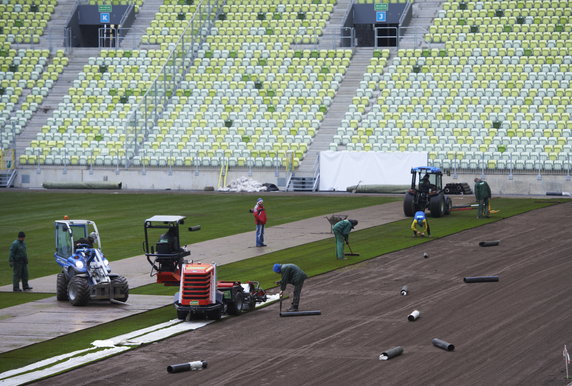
[{"x": 159, "y": 96}]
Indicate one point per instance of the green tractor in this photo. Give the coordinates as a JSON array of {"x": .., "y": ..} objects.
[{"x": 426, "y": 192}]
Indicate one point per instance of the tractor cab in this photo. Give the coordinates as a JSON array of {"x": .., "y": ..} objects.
[
  {"x": 73, "y": 236},
  {"x": 427, "y": 179},
  {"x": 86, "y": 273},
  {"x": 426, "y": 192},
  {"x": 163, "y": 249}
]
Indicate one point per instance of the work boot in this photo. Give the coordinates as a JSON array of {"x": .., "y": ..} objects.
[
  {"x": 293, "y": 309},
  {"x": 28, "y": 288},
  {"x": 17, "y": 290}
]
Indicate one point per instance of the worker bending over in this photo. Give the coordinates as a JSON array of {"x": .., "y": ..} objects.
[
  {"x": 420, "y": 225},
  {"x": 291, "y": 274},
  {"x": 342, "y": 231}
]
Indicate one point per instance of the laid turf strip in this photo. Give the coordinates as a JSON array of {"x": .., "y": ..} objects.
[
  {"x": 315, "y": 258},
  {"x": 120, "y": 217},
  {"x": 319, "y": 257}
]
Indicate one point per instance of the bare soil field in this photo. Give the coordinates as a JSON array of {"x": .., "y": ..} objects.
[{"x": 509, "y": 332}]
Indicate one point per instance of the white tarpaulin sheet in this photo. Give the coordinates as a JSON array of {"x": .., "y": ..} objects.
[{"x": 340, "y": 169}]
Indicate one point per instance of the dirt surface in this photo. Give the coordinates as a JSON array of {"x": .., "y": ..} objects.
[{"x": 511, "y": 332}]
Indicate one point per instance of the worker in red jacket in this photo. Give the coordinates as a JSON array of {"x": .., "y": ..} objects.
[{"x": 260, "y": 220}]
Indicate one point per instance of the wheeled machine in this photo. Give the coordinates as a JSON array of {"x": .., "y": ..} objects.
[
  {"x": 200, "y": 293},
  {"x": 426, "y": 193},
  {"x": 86, "y": 273}
]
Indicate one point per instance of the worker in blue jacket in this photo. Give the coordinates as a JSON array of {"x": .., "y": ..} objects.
[
  {"x": 342, "y": 231},
  {"x": 291, "y": 274}
]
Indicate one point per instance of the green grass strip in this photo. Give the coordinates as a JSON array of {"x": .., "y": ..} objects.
[
  {"x": 319, "y": 257},
  {"x": 120, "y": 217},
  {"x": 315, "y": 258},
  {"x": 9, "y": 299}
]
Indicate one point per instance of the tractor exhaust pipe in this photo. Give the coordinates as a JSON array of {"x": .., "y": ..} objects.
[
  {"x": 480, "y": 279},
  {"x": 196, "y": 365}
]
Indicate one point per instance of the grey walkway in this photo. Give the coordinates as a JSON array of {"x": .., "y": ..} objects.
[{"x": 45, "y": 319}]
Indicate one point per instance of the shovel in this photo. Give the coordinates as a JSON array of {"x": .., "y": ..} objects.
[{"x": 351, "y": 252}]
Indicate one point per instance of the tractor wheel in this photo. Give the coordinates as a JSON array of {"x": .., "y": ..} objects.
[
  {"x": 215, "y": 314},
  {"x": 251, "y": 305},
  {"x": 437, "y": 206},
  {"x": 234, "y": 307},
  {"x": 62, "y": 287},
  {"x": 182, "y": 315},
  {"x": 448, "y": 205},
  {"x": 78, "y": 291},
  {"x": 120, "y": 287},
  {"x": 409, "y": 205}
]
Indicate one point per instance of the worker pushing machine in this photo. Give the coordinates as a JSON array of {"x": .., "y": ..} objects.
[
  {"x": 420, "y": 225},
  {"x": 342, "y": 231}
]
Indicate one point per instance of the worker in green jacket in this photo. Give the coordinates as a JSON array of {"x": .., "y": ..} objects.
[
  {"x": 19, "y": 263},
  {"x": 291, "y": 274},
  {"x": 483, "y": 195},
  {"x": 342, "y": 231}
]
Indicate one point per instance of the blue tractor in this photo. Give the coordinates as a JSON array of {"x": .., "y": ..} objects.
[
  {"x": 426, "y": 192},
  {"x": 86, "y": 274}
]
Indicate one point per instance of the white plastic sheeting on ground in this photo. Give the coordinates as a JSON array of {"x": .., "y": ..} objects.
[
  {"x": 103, "y": 349},
  {"x": 243, "y": 184},
  {"x": 340, "y": 169}
]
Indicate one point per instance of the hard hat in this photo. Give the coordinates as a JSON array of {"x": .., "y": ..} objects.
[
  {"x": 21, "y": 234},
  {"x": 277, "y": 268},
  {"x": 260, "y": 200},
  {"x": 354, "y": 223},
  {"x": 419, "y": 215}
]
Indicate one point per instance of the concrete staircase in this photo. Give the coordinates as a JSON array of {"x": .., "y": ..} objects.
[
  {"x": 331, "y": 34},
  {"x": 79, "y": 58},
  {"x": 53, "y": 39},
  {"x": 424, "y": 11},
  {"x": 337, "y": 110},
  {"x": 143, "y": 20}
]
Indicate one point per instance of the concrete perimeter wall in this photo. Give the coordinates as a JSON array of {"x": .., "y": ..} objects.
[{"x": 191, "y": 179}]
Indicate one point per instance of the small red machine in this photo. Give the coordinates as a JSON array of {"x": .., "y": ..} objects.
[{"x": 200, "y": 294}]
